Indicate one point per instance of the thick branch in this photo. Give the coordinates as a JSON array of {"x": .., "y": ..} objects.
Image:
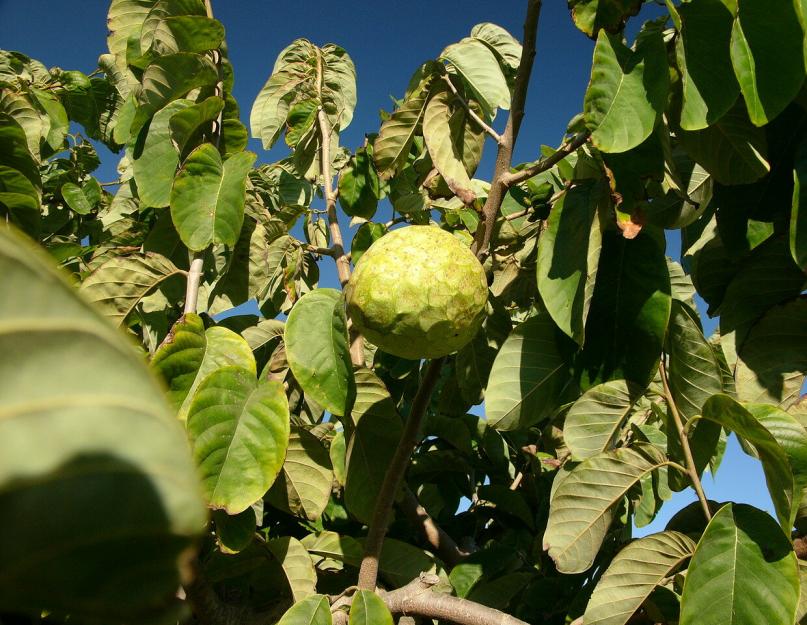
[
  {"x": 692, "y": 471},
  {"x": 513, "y": 178},
  {"x": 504, "y": 157},
  {"x": 368, "y": 573},
  {"x": 471, "y": 113},
  {"x": 443, "y": 544},
  {"x": 417, "y": 598}
]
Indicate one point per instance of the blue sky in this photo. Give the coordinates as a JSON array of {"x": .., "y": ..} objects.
[{"x": 387, "y": 41}]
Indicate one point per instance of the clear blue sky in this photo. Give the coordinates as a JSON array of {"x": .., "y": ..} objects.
[{"x": 387, "y": 41}]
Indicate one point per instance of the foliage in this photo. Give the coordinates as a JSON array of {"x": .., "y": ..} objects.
[{"x": 601, "y": 393}]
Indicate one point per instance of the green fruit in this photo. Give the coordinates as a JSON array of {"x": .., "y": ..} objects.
[{"x": 417, "y": 292}]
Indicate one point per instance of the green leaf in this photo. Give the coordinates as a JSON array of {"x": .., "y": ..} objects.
[
  {"x": 207, "y": 200},
  {"x": 118, "y": 285},
  {"x": 732, "y": 150},
  {"x": 633, "y": 574},
  {"x": 365, "y": 236},
  {"x": 313, "y": 610},
  {"x": 529, "y": 375},
  {"x": 502, "y": 43},
  {"x": 57, "y": 117},
  {"x": 369, "y": 609},
  {"x": 75, "y": 198},
  {"x": 181, "y": 33},
  {"x": 297, "y": 565},
  {"x": 168, "y": 78},
  {"x": 582, "y": 507},
  {"x": 694, "y": 368},
  {"x": 395, "y": 137},
  {"x": 569, "y": 254},
  {"x": 90, "y": 457},
  {"x": 375, "y": 437},
  {"x": 271, "y": 108},
  {"x": 479, "y": 69},
  {"x": 798, "y": 215},
  {"x": 304, "y": 484},
  {"x": 592, "y": 15},
  {"x": 703, "y": 51},
  {"x": 338, "y": 85},
  {"x": 778, "y": 473},
  {"x": 743, "y": 572},
  {"x": 190, "y": 353},
  {"x": 124, "y": 20},
  {"x": 627, "y": 91},
  {"x": 14, "y": 150},
  {"x": 234, "y": 533},
  {"x": 239, "y": 430},
  {"x": 188, "y": 123},
  {"x": 155, "y": 163},
  {"x": 595, "y": 419},
  {"x": 359, "y": 187},
  {"x": 773, "y": 359},
  {"x": 444, "y": 133},
  {"x": 318, "y": 351},
  {"x": 629, "y": 311},
  {"x": 767, "y": 52}
]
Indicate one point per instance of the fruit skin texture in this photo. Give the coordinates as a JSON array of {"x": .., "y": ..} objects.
[{"x": 417, "y": 292}]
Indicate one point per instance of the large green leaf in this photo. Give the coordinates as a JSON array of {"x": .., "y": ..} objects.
[
  {"x": 297, "y": 565},
  {"x": 595, "y": 419},
  {"x": 338, "y": 85},
  {"x": 190, "y": 353},
  {"x": 124, "y": 20},
  {"x": 91, "y": 459},
  {"x": 569, "y": 254},
  {"x": 634, "y": 574},
  {"x": 167, "y": 34},
  {"x": 118, "y": 285},
  {"x": 168, "y": 78},
  {"x": 188, "y": 122},
  {"x": 365, "y": 236},
  {"x": 304, "y": 484},
  {"x": 207, "y": 199},
  {"x": 271, "y": 107},
  {"x": 479, "y": 68},
  {"x": 155, "y": 162},
  {"x": 703, "y": 51},
  {"x": 732, "y": 150},
  {"x": 778, "y": 472},
  {"x": 767, "y": 52},
  {"x": 592, "y": 15},
  {"x": 627, "y": 91},
  {"x": 318, "y": 351},
  {"x": 359, "y": 187},
  {"x": 313, "y": 610},
  {"x": 529, "y": 375},
  {"x": 582, "y": 506},
  {"x": 694, "y": 368},
  {"x": 369, "y": 609},
  {"x": 744, "y": 572},
  {"x": 240, "y": 431},
  {"x": 773, "y": 359},
  {"x": 629, "y": 311},
  {"x": 444, "y": 133},
  {"x": 372, "y": 445},
  {"x": 395, "y": 137},
  {"x": 503, "y": 44}
]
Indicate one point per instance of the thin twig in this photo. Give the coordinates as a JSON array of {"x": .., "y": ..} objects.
[
  {"x": 337, "y": 242},
  {"x": 510, "y": 179},
  {"x": 472, "y": 114},
  {"x": 692, "y": 471},
  {"x": 368, "y": 573},
  {"x": 320, "y": 251},
  {"x": 504, "y": 156}
]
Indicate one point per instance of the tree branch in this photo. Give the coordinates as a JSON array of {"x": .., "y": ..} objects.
[
  {"x": 513, "y": 178},
  {"x": 337, "y": 242},
  {"x": 417, "y": 598},
  {"x": 471, "y": 113},
  {"x": 504, "y": 157},
  {"x": 443, "y": 544},
  {"x": 692, "y": 471},
  {"x": 368, "y": 573}
]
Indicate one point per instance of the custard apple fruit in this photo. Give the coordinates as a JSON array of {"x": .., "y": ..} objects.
[{"x": 417, "y": 292}]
